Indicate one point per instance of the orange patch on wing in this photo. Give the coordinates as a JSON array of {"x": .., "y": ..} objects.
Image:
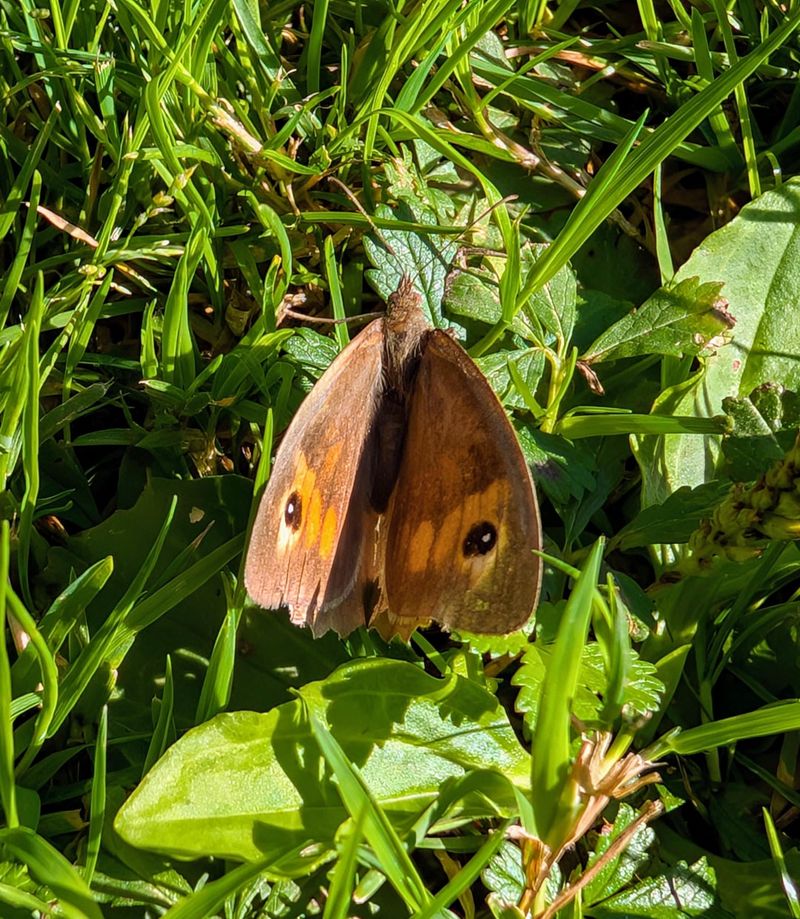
[
  {"x": 421, "y": 544},
  {"x": 307, "y": 487},
  {"x": 332, "y": 457},
  {"x": 447, "y": 548},
  {"x": 328, "y": 538},
  {"x": 313, "y": 522}
]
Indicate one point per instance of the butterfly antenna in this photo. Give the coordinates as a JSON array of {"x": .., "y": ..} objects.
[{"x": 360, "y": 208}]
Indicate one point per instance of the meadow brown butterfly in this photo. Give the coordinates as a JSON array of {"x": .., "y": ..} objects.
[{"x": 399, "y": 493}]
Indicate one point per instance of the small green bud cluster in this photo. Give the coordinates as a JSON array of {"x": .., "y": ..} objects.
[{"x": 749, "y": 517}]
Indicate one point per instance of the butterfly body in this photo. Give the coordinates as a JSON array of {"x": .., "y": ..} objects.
[{"x": 399, "y": 493}]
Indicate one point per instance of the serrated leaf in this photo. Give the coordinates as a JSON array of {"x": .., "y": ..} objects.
[
  {"x": 504, "y": 875},
  {"x": 613, "y": 875},
  {"x": 399, "y": 252},
  {"x": 311, "y": 350},
  {"x": 746, "y": 889},
  {"x": 682, "y": 891},
  {"x": 505, "y": 878},
  {"x": 688, "y": 318},
  {"x": 562, "y": 470},
  {"x": 529, "y": 678},
  {"x": 554, "y": 304},
  {"x": 474, "y": 297},
  {"x": 642, "y": 691},
  {"x": 529, "y": 364},
  {"x": 497, "y": 645}
]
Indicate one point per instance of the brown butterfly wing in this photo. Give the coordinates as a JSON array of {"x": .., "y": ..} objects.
[
  {"x": 463, "y": 519},
  {"x": 313, "y": 522}
]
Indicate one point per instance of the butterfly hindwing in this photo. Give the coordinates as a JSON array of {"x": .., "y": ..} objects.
[{"x": 463, "y": 519}]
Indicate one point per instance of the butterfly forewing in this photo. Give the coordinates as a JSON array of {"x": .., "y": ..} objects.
[{"x": 307, "y": 542}]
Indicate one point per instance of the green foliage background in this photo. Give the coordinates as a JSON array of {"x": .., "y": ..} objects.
[{"x": 602, "y": 203}]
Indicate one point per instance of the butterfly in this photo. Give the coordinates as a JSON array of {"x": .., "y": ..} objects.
[{"x": 399, "y": 494}]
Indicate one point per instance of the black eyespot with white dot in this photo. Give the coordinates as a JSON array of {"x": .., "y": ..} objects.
[
  {"x": 293, "y": 512},
  {"x": 480, "y": 540}
]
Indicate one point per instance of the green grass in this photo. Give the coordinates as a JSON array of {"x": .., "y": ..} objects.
[{"x": 602, "y": 203}]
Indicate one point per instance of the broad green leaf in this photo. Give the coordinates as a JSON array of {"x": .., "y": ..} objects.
[
  {"x": 764, "y": 427},
  {"x": 757, "y": 258},
  {"x": 769, "y": 408},
  {"x": 248, "y": 786},
  {"x": 675, "y": 519}
]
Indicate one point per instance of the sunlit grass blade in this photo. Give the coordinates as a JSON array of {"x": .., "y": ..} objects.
[
  {"x": 467, "y": 876},
  {"x": 16, "y": 194},
  {"x": 8, "y": 794},
  {"x": 575, "y": 427},
  {"x": 340, "y": 894},
  {"x": 208, "y": 900},
  {"x": 30, "y": 433},
  {"x": 613, "y": 638},
  {"x": 788, "y": 883},
  {"x": 97, "y": 804},
  {"x": 550, "y": 746},
  {"x": 216, "y": 691},
  {"x": 98, "y": 649},
  {"x": 314, "y": 47},
  {"x": 177, "y": 354},
  {"x": 21, "y": 900},
  {"x": 164, "y": 731},
  {"x": 616, "y": 180},
  {"x": 771, "y": 719},
  {"x": 705, "y": 67},
  {"x": 49, "y": 867},
  {"x": 742, "y": 106},
  {"x": 154, "y": 605},
  {"x": 48, "y": 676},
  {"x": 335, "y": 289},
  {"x": 357, "y": 798},
  {"x": 11, "y": 280}
]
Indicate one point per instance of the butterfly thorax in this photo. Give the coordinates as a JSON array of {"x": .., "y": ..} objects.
[{"x": 406, "y": 327}]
